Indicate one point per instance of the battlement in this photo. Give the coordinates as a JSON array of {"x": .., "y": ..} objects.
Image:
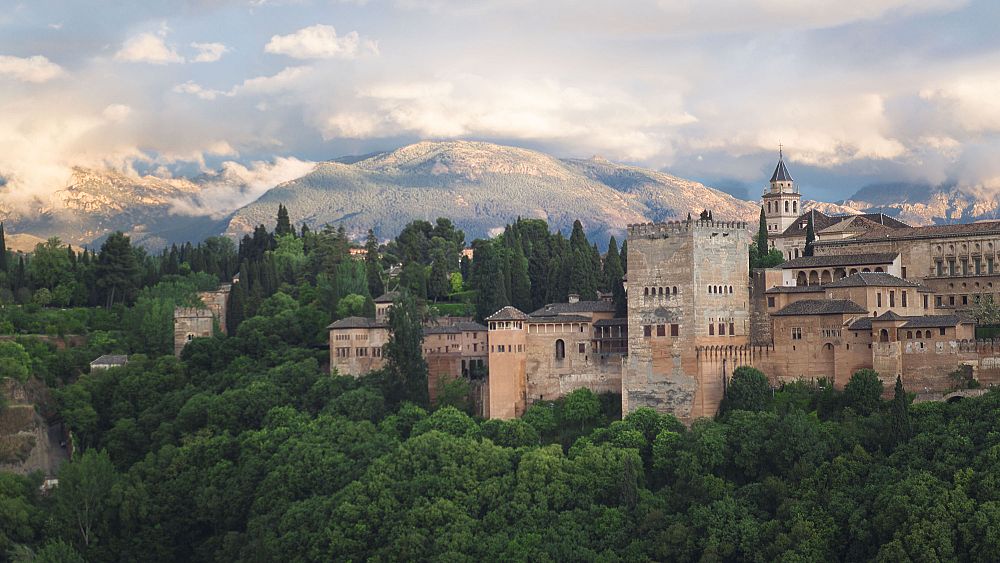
[
  {"x": 660, "y": 230},
  {"x": 191, "y": 312}
]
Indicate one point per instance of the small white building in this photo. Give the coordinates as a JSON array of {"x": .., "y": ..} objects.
[{"x": 109, "y": 361}]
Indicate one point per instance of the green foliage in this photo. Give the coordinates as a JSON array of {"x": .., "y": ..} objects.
[
  {"x": 352, "y": 305},
  {"x": 87, "y": 496},
  {"x": 810, "y": 237},
  {"x": 117, "y": 270},
  {"x": 581, "y": 406},
  {"x": 864, "y": 391},
  {"x": 405, "y": 371},
  {"x": 748, "y": 390},
  {"x": 14, "y": 361}
]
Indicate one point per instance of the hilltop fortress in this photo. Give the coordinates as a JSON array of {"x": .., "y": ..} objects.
[{"x": 868, "y": 292}]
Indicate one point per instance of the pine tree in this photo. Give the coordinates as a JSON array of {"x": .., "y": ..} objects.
[
  {"x": 373, "y": 271},
  {"x": 613, "y": 274},
  {"x": 284, "y": 225},
  {"x": 405, "y": 369},
  {"x": 900, "y": 413},
  {"x": 810, "y": 237},
  {"x": 762, "y": 245}
]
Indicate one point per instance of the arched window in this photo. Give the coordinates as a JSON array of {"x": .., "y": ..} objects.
[
  {"x": 645, "y": 291},
  {"x": 927, "y": 334},
  {"x": 883, "y": 335},
  {"x": 909, "y": 335},
  {"x": 661, "y": 291},
  {"x": 786, "y": 207},
  {"x": 560, "y": 349},
  {"x": 675, "y": 290},
  {"x": 769, "y": 207},
  {"x": 796, "y": 252},
  {"x": 795, "y": 207}
]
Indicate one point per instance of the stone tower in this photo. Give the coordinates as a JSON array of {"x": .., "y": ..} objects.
[
  {"x": 688, "y": 288},
  {"x": 781, "y": 200},
  {"x": 508, "y": 363},
  {"x": 190, "y": 323}
]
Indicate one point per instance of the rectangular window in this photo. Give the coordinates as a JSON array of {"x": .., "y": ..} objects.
[
  {"x": 732, "y": 329},
  {"x": 951, "y": 300},
  {"x": 722, "y": 329},
  {"x": 978, "y": 264},
  {"x": 903, "y": 272},
  {"x": 878, "y": 299},
  {"x": 940, "y": 268},
  {"x": 892, "y": 298},
  {"x": 711, "y": 329},
  {"x": 647, "y": 331},
  {"x": 770, "y": 301},
  {"x": 989, "y": 265},
  {"x": 965, "y": 300},
  {"x": 941, "y": 331},
  {"x": 661, "y": 330},
  {"x": 951, "y": 267},
  {"x": 675, "y": 330},
  {"x": 938, "y": 300},
  {"x": 904, "y": 298},
  {"x": 796, "y": 333},
  {"x": 925, "y": 301},
  {"x": 965, "y": 266},
  {"x": 583, "y": 348}
]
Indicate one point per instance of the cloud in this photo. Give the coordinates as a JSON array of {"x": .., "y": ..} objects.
[
  {"x": 209, "y": 52},
  {"x": 320, "y": 42},
  {"x": 236, "y": 185},
  {"x": 148, "y": 48},
  {"x": 29, "y": 69},
  {"x": 116, "y": 112},
  {"x": 190, "y": 87}
]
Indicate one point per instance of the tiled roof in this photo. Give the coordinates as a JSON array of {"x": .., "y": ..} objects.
[
  {"x": 875, "y": 279},
  {"x": 357, "y": 322},
  {"x": 864, "y": 222},
  {"x": 890, "y": 316},
  {"x": 578, "y": 307},
  {"x": 441, "y": 329},
  {"x": 388, "y": 297},
  {"x": 470, "y": 326},
  {"x": 620, "y": 321},
  {"x": 931, "y": 231},
  {"x": 839, "y": 260},
  {"x": 926, "y": 321},
  {"x": 796, "y": 289},
  {"x": 111, "y": 359},
  {"x": 821, "y": 307},
  {"x": 558, "y": 319},
  {"x": 508, "y": 313},
  {"x": 781, "y": 173}
]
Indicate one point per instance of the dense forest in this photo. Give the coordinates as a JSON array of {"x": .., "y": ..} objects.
[{"x": 245, "y": 449}]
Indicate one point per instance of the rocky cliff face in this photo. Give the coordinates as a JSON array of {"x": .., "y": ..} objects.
[{"x": 922, "y": 204}]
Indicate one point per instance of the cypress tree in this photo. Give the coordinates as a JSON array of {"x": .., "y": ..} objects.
[
  {"x": 623, "y": 255},
  {"x": 583, "y": 274},
  {"x": 762, "y": 246},
  {"x": 613, "y": 273},
  {"x": 373, "y": 271},
  {"x": 117, "y": 270},
  {"x": 3, "y": 250},
  {"x": 405, "y": 369},
  {"x": 900, "y": 413},
  {"x": 236, "y": 308},
  {"x": 284, "y": 225},
  {"x": 486, "y": 277},
  {"x": 520, "y": 282},
  {"x": 810, "y": 237}
]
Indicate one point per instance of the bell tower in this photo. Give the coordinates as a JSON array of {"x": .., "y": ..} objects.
[{"x": 781, "y": 199}]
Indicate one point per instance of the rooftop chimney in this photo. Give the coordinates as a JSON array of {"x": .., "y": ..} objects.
[{"x": 574, "y": 297}]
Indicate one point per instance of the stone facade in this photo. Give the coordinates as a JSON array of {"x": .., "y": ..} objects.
[
  {"x": 217, "y": 302},
  {"x": 191, "y": 323},
  {"x": 454, "y": 350},
  {"x": 356, "y": 345},
  {"x": 688, "y": 288}
]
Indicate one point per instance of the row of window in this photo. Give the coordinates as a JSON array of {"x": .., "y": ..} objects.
[
  {"x": 543, "y": 328},
  {"x": 720, "y": 289},
  {"x": 963, "y": 267},
  {"x": 722, "y": 329},
  {"x": 345, "y": 352},
  {"x": 661, "y": 330},
  {"x": 892, "y": 299},
  {"x": 506, "y": 348},
  {"x": 647, "y": 291},
  {"x": 793, "y": 208}
]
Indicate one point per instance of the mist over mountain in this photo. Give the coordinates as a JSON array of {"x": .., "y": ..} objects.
[{"x": 481, "y": 186}]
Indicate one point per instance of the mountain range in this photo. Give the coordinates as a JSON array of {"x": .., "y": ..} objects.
[{"x": 480, "y": 186}]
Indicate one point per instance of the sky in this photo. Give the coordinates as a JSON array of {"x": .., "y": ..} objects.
[{"x": 856, "y": 91}]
